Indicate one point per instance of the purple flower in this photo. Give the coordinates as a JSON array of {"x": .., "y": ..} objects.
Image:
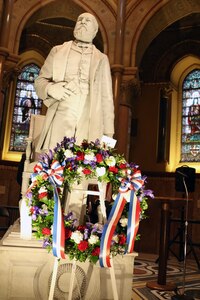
[
  {"x": 148, "y": 193},
  {"x": 85, "y": 234},
  {"x": 46, "y": 243}
]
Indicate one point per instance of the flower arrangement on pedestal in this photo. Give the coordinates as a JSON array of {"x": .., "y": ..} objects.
[{"x": 67, "y": 164}]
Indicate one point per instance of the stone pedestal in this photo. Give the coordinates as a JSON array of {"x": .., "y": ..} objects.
[{"x": 26, "y": 270}]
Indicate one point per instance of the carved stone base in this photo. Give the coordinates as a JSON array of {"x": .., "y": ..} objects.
[{"x": 26, "y": 271}]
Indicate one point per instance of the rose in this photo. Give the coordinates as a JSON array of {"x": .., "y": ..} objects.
[
  {"x": 77, "y": 236},
  {"x": 81, "y": 228},
  {"x": 93, "y": 239},
  {"x": 80, "y": 155},
  {"x": 87, "y": 171},
  {"x": 46, "y": 231},
  {"x": 99, "y": 157},
  {"x": 96, "y": 251},
  {"x": 113, "y": 170},
  {"x": 122, "y": 239},
  {"x": 122, "y": 166},
  {"x": 82, "y": 246},
  {"x": 68, "y": 233},
  {"x": 100, "y": 171}
]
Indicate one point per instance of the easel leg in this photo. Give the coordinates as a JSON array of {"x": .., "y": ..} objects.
[
  {"x": 113, "y": 281},
  {"x": 71, "y": 284},
  {"x": 53, "y": 280}
]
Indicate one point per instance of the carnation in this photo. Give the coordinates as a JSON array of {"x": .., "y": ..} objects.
[
  {"x": 100, "y": 171},
  {"x": 90, "y": 156},
  {"x": 82, "y": 246},
  {"x": 46, "y": 231},
  {"x": 68, "y": 153},
  {"x": 93, "y": 239},
  {"x": 77, "y": 236}
]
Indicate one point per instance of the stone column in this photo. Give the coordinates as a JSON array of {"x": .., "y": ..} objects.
[
  {"x": 130, "y": 89},
  {"x": 117, "y": 68},
  {"x": 4, "y": 53},
  {"x": 6, "y": 22}
]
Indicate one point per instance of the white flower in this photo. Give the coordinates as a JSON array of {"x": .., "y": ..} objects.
[
  {"x": 110, "y": 161},
  {"x": 123, "y": 221},
  {"x": 77, "y": 236},
  {"x": 90, "y": 156},
  {"x": 79, "y": 170},
  {"x": 68, "y": 153},
  {"x": 114, "y": 196},
  {"x": 42, "y": 190},
  {"x": 93, "y": 239},
  {"x": 115, "y": 239},
  {"x": 100, "y": 171}
]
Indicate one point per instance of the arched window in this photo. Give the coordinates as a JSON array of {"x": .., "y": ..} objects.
[
  {"x": 190, "y": 133},
  {"x": 26, "y": 103}
]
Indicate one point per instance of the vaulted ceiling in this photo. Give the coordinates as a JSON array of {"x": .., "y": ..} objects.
[{"x": 178, "y": 40}]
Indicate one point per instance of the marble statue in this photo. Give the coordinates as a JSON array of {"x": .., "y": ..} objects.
[{"x": 75, "y": 84}]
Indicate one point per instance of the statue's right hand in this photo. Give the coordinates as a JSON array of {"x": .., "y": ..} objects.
[{"x": 57, "y": 90}]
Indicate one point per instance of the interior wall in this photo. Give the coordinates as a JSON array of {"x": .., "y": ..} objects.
[{"x": 143, "y": 148}]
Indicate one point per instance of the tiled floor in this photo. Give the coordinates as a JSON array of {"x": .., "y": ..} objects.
[{"x": 146, "y": 270}]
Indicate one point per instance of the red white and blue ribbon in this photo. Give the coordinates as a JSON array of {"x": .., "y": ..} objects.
[
  {"x": 55, "y": 177},
  {"x": 108, "y": 231},
  {"x": 133, "y": 221},
  {"x": 126, "y": 193}
]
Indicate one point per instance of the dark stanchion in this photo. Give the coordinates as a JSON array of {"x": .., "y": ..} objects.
[{"x": 161, "y": 283}]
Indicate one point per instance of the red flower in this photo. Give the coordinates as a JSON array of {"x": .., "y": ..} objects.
[
  {"x": 81, "y": 228},
  {"x": 96, "y": 251},
  {"x": 42, "y": 195},
  {"x": 99, "y": 157},
  {"x": 122, "y": 239},
  {"x": 122, "y": 166},
  {"x": 82, "y": 246},
  {"x": 68, "y": 233},
  {"x": 80, "y": 155},
  {"x": 87, "y": 171},
  {"x": 46, "y": 231},
  {"x": 113, "y": 170},
  {"x": 32, "y": 209}
]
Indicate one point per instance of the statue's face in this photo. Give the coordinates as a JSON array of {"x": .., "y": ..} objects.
[{"x": 86, "y": 28}]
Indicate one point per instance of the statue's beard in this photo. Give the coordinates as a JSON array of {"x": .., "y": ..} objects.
[{"x": 82, "y": 34}]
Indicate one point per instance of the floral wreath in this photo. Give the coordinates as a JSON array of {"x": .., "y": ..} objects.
[{"x": 66, "y": 165}]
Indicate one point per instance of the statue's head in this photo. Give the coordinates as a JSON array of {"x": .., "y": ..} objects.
[{"x": 86, "y": 28}]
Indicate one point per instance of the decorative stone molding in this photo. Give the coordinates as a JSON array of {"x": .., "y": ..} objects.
[{"x": 130, "y": 89}]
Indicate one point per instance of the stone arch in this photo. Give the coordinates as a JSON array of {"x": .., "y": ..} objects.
[
  {"x": 74, "y": 8},
  {"x": 150, "y": 28}
]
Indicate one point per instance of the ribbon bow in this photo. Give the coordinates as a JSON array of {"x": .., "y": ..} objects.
[{"x": 126, "y": 194}]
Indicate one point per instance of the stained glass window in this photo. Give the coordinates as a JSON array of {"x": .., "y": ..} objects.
[
  {"x": 26, "y": 103},
  {"x": 190, "y": 142}
]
